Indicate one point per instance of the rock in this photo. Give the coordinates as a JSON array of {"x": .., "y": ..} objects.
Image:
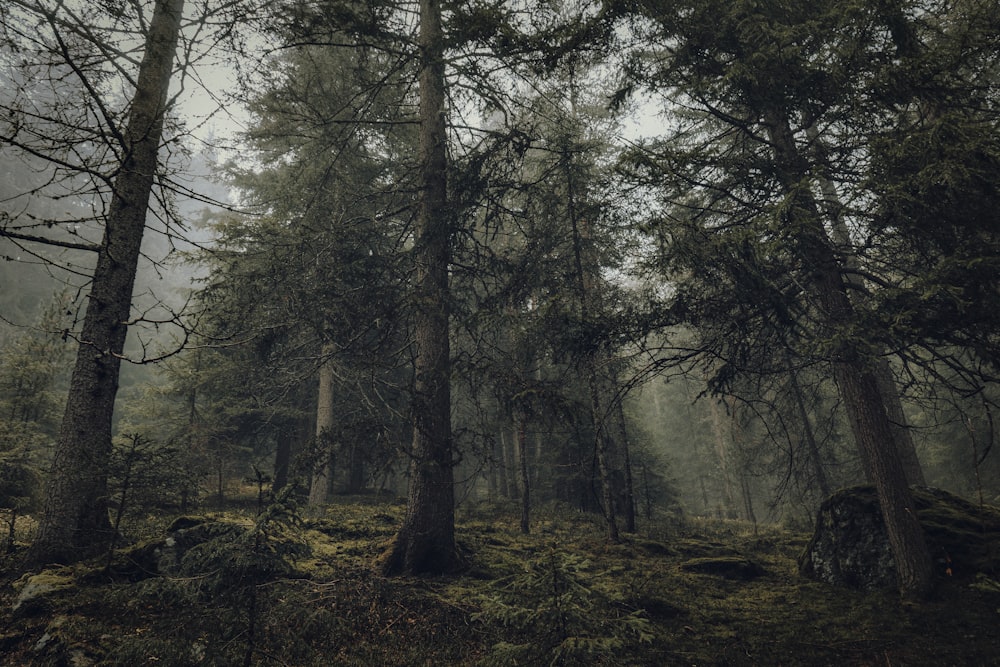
[
  {"x": 727, "y": 567},
  {"x": 656, "y": 609},
  {"x": 35, "y": 590},
  {"x": 850, "y": 546}
]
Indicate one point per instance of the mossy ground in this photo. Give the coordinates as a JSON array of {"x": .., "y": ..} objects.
[{"x": 335, "y": 609}]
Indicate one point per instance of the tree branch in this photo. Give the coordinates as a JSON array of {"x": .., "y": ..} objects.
[{"x": 90, "y": 247}]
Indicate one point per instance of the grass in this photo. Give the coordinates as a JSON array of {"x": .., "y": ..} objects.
[{"x": 332, "y": 608}]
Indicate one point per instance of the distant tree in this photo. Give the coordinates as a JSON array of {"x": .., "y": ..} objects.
[
  {"x": 31, "y": 366},
  {"x": 308, "y": 282}
]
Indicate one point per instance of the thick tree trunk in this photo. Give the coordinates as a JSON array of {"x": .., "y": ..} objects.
[
  {"x": 75, "y": 518},
  {"x": 324, "y": 467},
  {"x": 901, "y": 434},
  {"x": 856, "y": 381},
  {"x": 859, "y": 389},
  {"x": 426, "y": 540}
]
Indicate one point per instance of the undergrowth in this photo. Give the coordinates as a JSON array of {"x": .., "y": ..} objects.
[
  {"x": 562, "y": 613},
  {"x": 271, "y": 586}
]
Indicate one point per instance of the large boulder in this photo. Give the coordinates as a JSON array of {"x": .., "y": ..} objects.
[{"x": 850, "y": 546}]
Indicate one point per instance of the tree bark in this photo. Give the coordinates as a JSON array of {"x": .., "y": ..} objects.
[
  {"x": 855, "y": 378},
  {"x": 426, "y": 540},
  {"x": 502, "y": 465},
  {"x": 75, "y": 518},
  {"x": 602, "y": 447},
  {"x": 901, "y": 434},
  {"x": 323, "y": 470},
  {"x": 871, "y": 428}
]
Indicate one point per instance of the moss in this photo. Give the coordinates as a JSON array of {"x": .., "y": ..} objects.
[
  {"x": 334, "y": 608},
  {"x": 964, "y": 538},
  {"x": 34, "y": 591}
]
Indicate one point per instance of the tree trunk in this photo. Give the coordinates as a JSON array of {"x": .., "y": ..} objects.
[
  {"x": 295, "y": 438},
  {"x": 812, "y": 447},
  {"x": 629, "y": 501},
  {"x": 871, "y": 428},
  {"x": 602, "y": 447},
  {"x": 426, "y": 540},
  {"x": 586, "y": 267},
  {"x": 522, "y": 460},
  {"x": 323, "y": 469},
  {"x": 502, "y": 464},
  {"x": 536, "y": 472},
  {"x": 901, "y": 434},
  {"x": 728, "y": 507},
  {"x": 856, "y": 381},
  {"x": 220, "y": 480},
  {"x": 282, "y": 460},
  {"x": 75, "y": 518},
  {"x": 833, "y": 208}
]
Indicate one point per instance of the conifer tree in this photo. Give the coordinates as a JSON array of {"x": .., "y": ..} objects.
[
  {"x": 744, "y": 189},
  {"x": 75, "y": 518}
]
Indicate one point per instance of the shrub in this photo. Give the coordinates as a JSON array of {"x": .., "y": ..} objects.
[{"x": 559, "y": 615}]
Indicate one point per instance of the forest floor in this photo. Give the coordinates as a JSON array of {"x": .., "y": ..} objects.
[{"x": 275, "y": 591}]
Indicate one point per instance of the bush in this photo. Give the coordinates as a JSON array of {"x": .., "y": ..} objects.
[{"x": 560, "y": 616}]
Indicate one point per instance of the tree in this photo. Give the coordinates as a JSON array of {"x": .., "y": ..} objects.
[
  {"x": 426, "y": 540},
  {"x": 856, "y": 379},
  {"x": 75, "y": 518},
  {"x": 323, "y": 469},
  {"x": 312, "y": 275},
  {"x": 748, "y": 75},
  {"x": 30, "y": 366}
]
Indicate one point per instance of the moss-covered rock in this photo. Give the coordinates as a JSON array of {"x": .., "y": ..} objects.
[
  {"x": 35, "y": 590},
  {"x": 736, "y": 568},
  {"x": 850, "y": 546}
]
